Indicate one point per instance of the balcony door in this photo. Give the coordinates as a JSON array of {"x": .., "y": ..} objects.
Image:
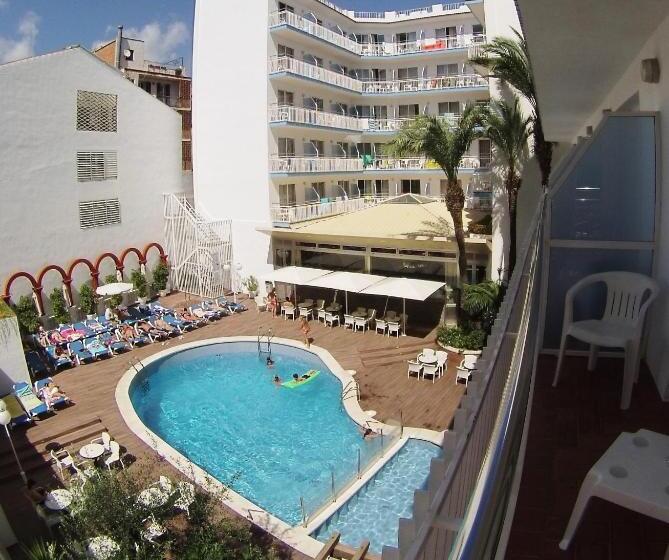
[{"x": 287, "y": 195}]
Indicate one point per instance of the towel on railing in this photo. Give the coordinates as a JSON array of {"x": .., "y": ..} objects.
[{"x": 367, "y": 159}]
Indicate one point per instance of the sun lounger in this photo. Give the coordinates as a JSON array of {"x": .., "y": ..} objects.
[
  {"x": 230, "y": 305},
  {"x": 35, "y": 364},
  {"x": 16, "y": 411},
  {"x": 32, "y": 405},
  {"x": 137, "y": 339},
  {"x": 114, "y": 342},
  {"x": 58, "y": 360},
  {"x": 81, "y": 354},
  {"x": 97, "y": 348},
  {"x": 180, "y": 325},
  {"x": 95, "y": 325},
  {"x": 83, "y": 328},
  {"x": 49, "y": 401}
]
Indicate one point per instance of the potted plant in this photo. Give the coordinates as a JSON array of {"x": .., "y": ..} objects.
[
  {"x": 139, "y": 282},
  {"x": 26, "y": 315},
  {"x": 59, "y": 307},
  {"x": 160, "y": 276},
  {"x": 114, "y": 301},
  {"x": 251, "y": 285},
  {"x": 87, "y": 301}
]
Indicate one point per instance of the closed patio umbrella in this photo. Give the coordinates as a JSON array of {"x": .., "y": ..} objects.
[
  {"x": 114, "y": 289},
  {"x": 354, "y": 282}
]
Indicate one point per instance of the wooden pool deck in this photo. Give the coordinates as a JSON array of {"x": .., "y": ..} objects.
[{"x": 380, "y": 363}]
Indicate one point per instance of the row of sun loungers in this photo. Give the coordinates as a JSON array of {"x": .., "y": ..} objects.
[{"x": 27, "y": 403}]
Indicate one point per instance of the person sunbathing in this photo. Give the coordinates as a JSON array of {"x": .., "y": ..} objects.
[
  {"x": 153, "y": 330},
  {"x": 56, "y": 338},
  {"x": 215, "y": 306},
  {"x": 42, "y": 337},
  {"x": 184, "y": 315},
  {"x": 127, "y": 333},
  {"x": 164, "y": 326},
  {"x": 201, "y": 313},
  {"x": 50, "y": 393}
]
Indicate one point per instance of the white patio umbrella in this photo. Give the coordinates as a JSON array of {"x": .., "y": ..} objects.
[
  {"x": 295, "y": 275},
  {"x": 405, "y": 288},
  {"x": 354, "y": 282},
  {"x": 114, "y": 289}
]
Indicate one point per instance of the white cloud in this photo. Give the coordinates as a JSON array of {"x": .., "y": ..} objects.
[
  {"x": 161, "y": 44},
  {"x": 23, "y": 45}
]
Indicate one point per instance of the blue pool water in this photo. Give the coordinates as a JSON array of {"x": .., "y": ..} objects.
[
  {"x": 373, "y": 513},
  {"x": 217, "y": 406}
]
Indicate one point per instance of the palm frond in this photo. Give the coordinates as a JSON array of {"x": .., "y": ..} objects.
[
  {"x": 509, "y": 131},
  {"x": 477, "y": 298}
]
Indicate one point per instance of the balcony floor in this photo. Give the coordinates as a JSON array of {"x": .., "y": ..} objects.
[{"x": 571, "y": 427}]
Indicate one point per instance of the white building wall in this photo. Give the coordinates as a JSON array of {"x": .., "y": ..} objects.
[
  {"x": 13, "y": 368},
  {"x": 230, "y": 151},
  {"x": 38, "y": 146}
]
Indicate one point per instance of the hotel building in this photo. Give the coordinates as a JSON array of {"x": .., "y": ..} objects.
[{"x": 302, "y": 170}]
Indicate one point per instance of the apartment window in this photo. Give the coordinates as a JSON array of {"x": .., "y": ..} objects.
[
  {"x": 449, "y": 108},
  {"x": 286, "y": 147},
  {"x": 284, "y": 97},
  {"x": 96, "y": 111},
  {"x": 405, "y": 37},
  {"x": 146, "y": 86},
  {"x": 318, "y": 189},
  {"x": 283, "y": 50},
  {"x": 336, "y": 67},
  {"x": 447, "y": 70},
  {"x": 407, "y": 73},
  {"x": 376, "y": 39},
  {"x": 186, "y": 156},
  {"x": 445, "y": 32},
  {"x": 315, "y": 60},
  {"x": 340, "y": 108},
  {"x": 286, "y": 7},
  {"x": 365, "y": 187},
  {"x": 411, "y": 186},
  {"x": 344, "y": 188},
  {"x": 313, "y": 103},
  {"x": 361, "y": 111},
  {"x": 99, "y": 213},
  {"x": 380, "y": 112},
  {"x": 96, "y": 166},
  {"x": 485, "y": 152},
  {"x": 341, "y": 149},
  {"x": 409, "y": 111},
  {"x": 477, "y": 30},
  {"x": 365, "y": 148},
  {"x": 287, "y": 195},
  {"x": 314, "y": 148},
  {"x": 381, "y": 187},
  {"x": 164, "y": 93}
]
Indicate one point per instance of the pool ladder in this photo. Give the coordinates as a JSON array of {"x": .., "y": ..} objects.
[
  {"x": 265, "y": 341},
  {"x": 351, "y": 390}
]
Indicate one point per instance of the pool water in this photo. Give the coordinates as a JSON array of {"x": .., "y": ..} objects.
[
  {"x": 374, "y": 512},
  {"x": 217, "y": 405}
]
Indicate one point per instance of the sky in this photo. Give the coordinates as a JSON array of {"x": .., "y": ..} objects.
[{"x": 29, "y": 27}]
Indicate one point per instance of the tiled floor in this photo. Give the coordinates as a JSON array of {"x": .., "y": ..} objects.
[{"x": 571, "y": 427}]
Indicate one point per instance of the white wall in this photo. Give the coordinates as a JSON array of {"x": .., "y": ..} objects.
[
  {"x": 230, "y": 144},
  {"x": 13, "y": 368},
  {"x": 38, "y": 183}
]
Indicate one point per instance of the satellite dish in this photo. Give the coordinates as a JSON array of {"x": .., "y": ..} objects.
[{"x": 127, "y": 53}]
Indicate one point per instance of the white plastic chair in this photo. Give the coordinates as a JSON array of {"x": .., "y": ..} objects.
[
  {"x": 415, "y": 367},
  {"x": 442, "y": 360},
  {"x": 394, "y": 328},
  {"x": 331, "y": 319},
  {"x": 64, "y": 461},
  {"x": 104, "y": 440},
  {"x": 288, "y": 311},
  {"x": 360, "y": 323},
  {"x": 261, "y": 303},
  {"x": 620, "y": 326},
  {"x": 466, "y": 367},
  {"x": 428, "y": 353},
  {"x": 306, "y": 312},
  {"x": 432, "y": 370},
  {"x": 115, "y": 455},
  {"x": 349, "y": 321},
  {"x": 381, "y": 326}
]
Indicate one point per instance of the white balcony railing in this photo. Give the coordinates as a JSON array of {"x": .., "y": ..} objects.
[
  {"x": 311, "y": 71},
  {"x": 398, "y": 15},
  {"x": 372, "y": 49},
  {"x": 346, "y": 165},
  {"x": 300, "y": 213},
  {"x": 301, "y": 115}
]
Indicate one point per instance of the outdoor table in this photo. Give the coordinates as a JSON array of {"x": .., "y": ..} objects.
[
  {"x": 427, "y": 359},
  {"x": 333, "y": 308},
  {"x": 305, "y": 305},
  {"x": 92, "y": 451},
  {"x": 58, "y": 500},
  {"x": 153, "y": 497},
  {"x": 102, "y": 548},
  {"x": 359, "y": 314}
]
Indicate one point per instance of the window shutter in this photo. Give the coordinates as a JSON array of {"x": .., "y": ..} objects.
[
  {"x": 97, "y": 166},
  {"x": 98, "y": 213}
]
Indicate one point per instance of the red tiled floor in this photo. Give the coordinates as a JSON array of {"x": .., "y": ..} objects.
[{"x": 571, "y": 427}]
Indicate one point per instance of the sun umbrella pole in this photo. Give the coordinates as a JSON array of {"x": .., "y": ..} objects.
[
  {"x": 385, "y": 307},
  {"x": 404, "y": 316},
  {"x": 346, "y": 301}
]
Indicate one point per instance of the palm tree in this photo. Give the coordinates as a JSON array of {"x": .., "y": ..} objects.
[
  {"x": 509, "y": 130},
  {"x": 438, "y": 140},
  {"x": 508, "y": 59}
]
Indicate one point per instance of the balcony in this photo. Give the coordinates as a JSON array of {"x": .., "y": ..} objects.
[
  {"x": 482, "y": 203},
  {"x": 300, "y": 165},
  {"x": 283, "y": 216},
  {"x": 312, "y": 117},
  {"x": 284, "y": 64},
  {"x": 340, "y": 40},
  {"x": 400, "y": 15}
]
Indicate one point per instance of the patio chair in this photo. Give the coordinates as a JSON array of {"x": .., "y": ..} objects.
[
  {"x": 288, "y": 311},
  {"x": 620, "y": 326},
  {"x": 202, "y": 313},
  {"x": 349, "y": 321},
  {"x": 64, "y": 462},
  {"x": 114, "y": 455},
  {"x": 261, "y": 303},
  {"x": 97, "y": 348},
  {"x": 50, "y": 518},
  {"x": 28, "y": 399},
  {"x": 305, "y": 312},
  {"x": 442, "y": 361},
  {"x": 104, "y": 440},
  {"x": 56, "y": 360},
  {"x": 331, "y": 319},
  {"x": 360, "y": 323},
  {"x": 81, "y": 354},
  {"x": 49, "y": 401},
  {"x": 428, "y": 353},
  {"x": 394, "y": 328},
  {"x": 466, "y": 367},
  {"x": 381, "y": 326},
  {"x": 415, "y": 367},
  {"x": 35, "y": 364},
  {"x": 432, "y": 370},
  {"x": 138, "y": 339}
]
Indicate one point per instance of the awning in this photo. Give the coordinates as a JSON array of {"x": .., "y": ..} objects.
[
  {"x": 405, "y": 288},
  {"x": 295, "y": 275},
  {"x": 346, "y": 281},
  {"x": 114, "y": 289}
]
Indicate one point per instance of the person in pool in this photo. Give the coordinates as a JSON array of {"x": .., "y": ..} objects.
[
  {"x": 269, "y": 362},
  {"x": 367, "y": 432},
  {"x": 297, "y": 377},
  {"x": 277, "y": 380}
]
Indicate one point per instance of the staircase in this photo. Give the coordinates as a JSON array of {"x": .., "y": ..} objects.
[{"x": 199, "y": 249}]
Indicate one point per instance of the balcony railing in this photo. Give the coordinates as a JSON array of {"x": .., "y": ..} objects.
[
  {"x": 311, "y": 71},
  {"x": 281, "y": 214},
  {"x": 372, "y": 49},
  {"x": 301, "y": 115},
  {"x": 397, "y": 15},
  {"x": 346, "y": 165},
  {"x": 478, "y": 203}
]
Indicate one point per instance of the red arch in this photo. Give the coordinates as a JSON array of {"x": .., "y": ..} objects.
[
  {"x": 91, "y": 267},
  {"x": 140, "y": 256},
  {"x": 64, "y": 275},
  {"x": 8, "y": 285},
  {"x": 163, "y": 256},
  {"x": 103, "y": 256}
]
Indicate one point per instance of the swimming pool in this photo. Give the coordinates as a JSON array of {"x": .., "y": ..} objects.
[
  {"x": 216, "y": 404},
  {"x": 374, "y": 511}
]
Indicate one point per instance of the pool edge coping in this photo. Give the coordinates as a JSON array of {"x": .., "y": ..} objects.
[{"x": 297, "y": 537}]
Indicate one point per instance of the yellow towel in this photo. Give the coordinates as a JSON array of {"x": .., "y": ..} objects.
[{"x": 13, "y": 406}]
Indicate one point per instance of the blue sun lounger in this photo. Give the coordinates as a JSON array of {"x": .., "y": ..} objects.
[
  {"x": 97, "y": 348},
  {"x": 60, "y": 401},
  {"x": 28, "y": 399},
  {"x": 36, "y": 365},
  {"x": 57, "y": 360},
  {"x": 115, "y": 343},
  {"x": 81, "y": 354}
]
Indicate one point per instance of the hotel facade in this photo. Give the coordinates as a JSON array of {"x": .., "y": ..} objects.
[{"x": 294, "y": 153}]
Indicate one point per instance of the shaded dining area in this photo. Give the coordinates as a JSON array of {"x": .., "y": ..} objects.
[{"x": 387, "y": 305}]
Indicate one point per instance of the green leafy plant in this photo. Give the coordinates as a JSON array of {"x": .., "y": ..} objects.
[
  {"x": 250, "y": 283},
  {"x": 41, "y": 550},
  {"x": 26, "y": 314},
  {"x": 59, "y": 307},
  {"x": 139, "y": 282},
  {"x": 87, "y": 300},
  {"x": 478, "y": 298},
  {"x": 459, "y": 337},
  {"x": 114, "y": 301},
  {"x": 160, "y": 275}
]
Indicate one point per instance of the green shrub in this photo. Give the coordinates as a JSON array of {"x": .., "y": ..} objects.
[
  {"x": 161, "y": 274},
  {"x": 250, "y": 283},
  {"x": 40, "y": 550},
  {"x": 87, "y": 300},
  {"x": 5, "y": 310},
  {"x": 459, "y": 337},
  {"x": 26, "y": 314},
  {"x": 139, "y": 282},
  {"x": 479, "y": 298},
  {"x": 58, "y": 307},
  {"x": 114, "y": 301}
]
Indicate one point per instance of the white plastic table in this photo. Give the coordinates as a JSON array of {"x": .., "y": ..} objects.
[
  {"x": 101, "y": 548},
  {"x": 431, "y": 359},
  {"x": 633, "y": 473},
  {"x": 153, "y": 497},
  {"x": 58, "y": 500},
  {"x": 92, "y": 451}
]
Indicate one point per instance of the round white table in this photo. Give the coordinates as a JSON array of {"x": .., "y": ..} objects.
[
  {"x": 430, "y": 360},
  {"x": 101, "y": 548},
  {"x": 92, "y": 451},
  {"x": 58, "y": 500},
  {"x": 153, "y": 497}
]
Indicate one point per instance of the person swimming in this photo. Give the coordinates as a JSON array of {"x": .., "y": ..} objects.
[
  {"x": 269, "y": 362},
  {"x": 277, "y": 380},
  {"x": 367, "y": 432}
]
